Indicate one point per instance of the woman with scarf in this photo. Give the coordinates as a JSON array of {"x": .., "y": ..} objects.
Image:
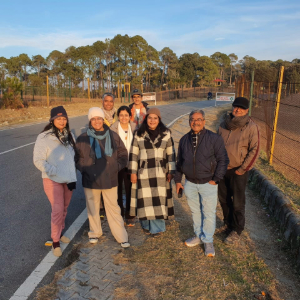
[
  {"x": 125, "y": 129},
  {"x": 152, "y": 165},
  {"x": 53, "y": 155},
  {"x": 101, "y": 155}
]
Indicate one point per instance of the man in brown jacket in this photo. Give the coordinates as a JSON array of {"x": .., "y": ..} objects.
[{"x": 241, "y": 138}]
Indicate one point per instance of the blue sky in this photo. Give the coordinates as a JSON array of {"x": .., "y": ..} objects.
[{"x": 262, "y": 29}]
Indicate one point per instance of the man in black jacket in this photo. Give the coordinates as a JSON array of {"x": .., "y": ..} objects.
[{"x": 203, "y": 159}]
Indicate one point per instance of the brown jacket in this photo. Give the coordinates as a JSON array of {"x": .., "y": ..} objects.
[{"x": 242, "y": 145}]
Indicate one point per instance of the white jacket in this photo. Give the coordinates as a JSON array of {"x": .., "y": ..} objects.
[{"x": 53, "y": 159}]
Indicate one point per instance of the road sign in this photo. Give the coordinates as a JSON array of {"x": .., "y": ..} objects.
[{"x": 149, "y": 97}]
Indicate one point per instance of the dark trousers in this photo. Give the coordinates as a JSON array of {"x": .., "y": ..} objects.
[
  {"x": 231, "y": 193},
  {"x": 123, "y": 176}
]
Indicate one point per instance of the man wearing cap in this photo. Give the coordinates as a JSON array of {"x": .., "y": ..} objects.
[
  {"x": 138, "y": 108},
  {"x": 109, "y": 109},
  {"x": 241, "y": 137}
]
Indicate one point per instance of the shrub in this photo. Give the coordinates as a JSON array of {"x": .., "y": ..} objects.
[{"x": 11, "y": 88}]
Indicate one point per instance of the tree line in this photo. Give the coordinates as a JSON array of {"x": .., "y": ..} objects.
[{"x": 132, "y": 59}]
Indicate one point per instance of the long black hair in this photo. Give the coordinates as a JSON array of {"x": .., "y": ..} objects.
[
  {"x": 55, "y": 131},
  {"x": 144, "y": 127}
]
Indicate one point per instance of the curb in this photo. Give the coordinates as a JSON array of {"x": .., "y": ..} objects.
[{"x": 280, "y": 208}]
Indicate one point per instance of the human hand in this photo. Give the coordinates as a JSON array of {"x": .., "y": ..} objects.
[
  {"x": 178, "y": 187},
  {"x": 212, "y": 182},
  {"x": 133, "y": 178},
  {"x": 169, "y": 177},
  {"x": 238, "y": 173}
]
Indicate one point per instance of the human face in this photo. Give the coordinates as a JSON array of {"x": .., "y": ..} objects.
[
  {"x": 97, "y": 123},
  {"x": 137, "y": 99},
  {"x": 197, "y": 122},
  {"x": 239, "y": 111},
  {"x": 124, "y": 117},
  {"x": 60, "y": 123},
  {"x": 152, "y": 121},
  {"x": 108, "y": 103}
]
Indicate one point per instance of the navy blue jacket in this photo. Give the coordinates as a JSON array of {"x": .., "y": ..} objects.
[{"x": 208, "y": 162}]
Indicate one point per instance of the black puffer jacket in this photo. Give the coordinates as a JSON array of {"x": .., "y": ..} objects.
[
  {"x": 208, "y": 162},
  {"x": 100, "y": 173}
]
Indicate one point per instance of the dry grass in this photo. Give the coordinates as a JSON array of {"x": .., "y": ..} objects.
[{"x": 291, "y": 190}]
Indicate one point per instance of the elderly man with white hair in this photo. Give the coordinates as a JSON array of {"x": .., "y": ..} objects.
[{"x": 101, "y": 155}]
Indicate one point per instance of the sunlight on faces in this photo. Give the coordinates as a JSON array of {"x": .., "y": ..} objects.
[
  {"x": 97, "y": 123},
  {"x": 239, "y": 111},
  {"x": 137, "y": 99},
  {"x": 60, "y": 123},
  {"x": 124, "y": 117},
  {"x": 152, "y": 121},
  {"x": 108, "y": 103},
  {"x": 197, "y": 122}
]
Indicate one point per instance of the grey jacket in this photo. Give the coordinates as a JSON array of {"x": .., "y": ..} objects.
[{"x": 53, "y": 159}]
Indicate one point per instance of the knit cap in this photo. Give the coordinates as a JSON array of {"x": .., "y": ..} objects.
[
  {"x": 155, "y": 111},
  {"x": 95, "y": 112},
  {"x": 57, "y": 112}
]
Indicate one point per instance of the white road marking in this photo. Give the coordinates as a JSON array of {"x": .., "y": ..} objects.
[
  {"x": 28, "y": 286},
  {"x": 16, "y": 148}
]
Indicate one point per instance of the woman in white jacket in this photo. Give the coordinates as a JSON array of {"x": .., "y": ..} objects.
[{"x": 53, "y": 155}]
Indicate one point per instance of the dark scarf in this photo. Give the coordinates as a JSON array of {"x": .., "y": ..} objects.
[
  {"x": 64, "y": 137},
  {"x": 153, "y": 134},
  {"x": 233, "y": 123}
]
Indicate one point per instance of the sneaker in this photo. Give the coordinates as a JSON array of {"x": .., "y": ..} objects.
[
  {"x": 146, "y": 231},
  {"x": 209, "y": 249},
  {"x": 232, "y": 238},
  {"x": 125, "y": 245},
  {"x": 130, "y": 222},
  {"x": 193, "y": 241},
  {"x": 65, "y": 239},
  {"x": 224, "y": 229},
  {"x": 102, "y": 213},
  {"x": 56, "y": 251},
  {"x": 158, "y": 234},
  {"x": 94, "y": 240}
]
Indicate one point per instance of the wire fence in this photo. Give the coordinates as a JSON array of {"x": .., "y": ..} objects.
[
  {"x": 276, "y": 109},
  {"x": 37, "y": 96}
]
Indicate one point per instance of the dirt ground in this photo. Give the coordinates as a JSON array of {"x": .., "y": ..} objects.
[{"x": 260, "y": 267}]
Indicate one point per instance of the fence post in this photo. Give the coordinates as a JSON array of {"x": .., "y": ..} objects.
[
  {"x": 169, "y": 94},
  {"x": 89, "y": 96},
  {"x": 47, "y": 90},
  {"x": 182, "y": 91},
  {"x": 251, "y": 93},
  {"x": 243, "y": 85},
  {"x": 277, "y": 104}
]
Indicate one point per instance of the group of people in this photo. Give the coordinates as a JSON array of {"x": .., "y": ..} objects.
[{"x": 130, "y": 149}]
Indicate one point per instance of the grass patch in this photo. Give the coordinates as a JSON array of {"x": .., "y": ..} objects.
[
  {"x": 291, "y": 190},
  {"x": 164, "y": 268}
]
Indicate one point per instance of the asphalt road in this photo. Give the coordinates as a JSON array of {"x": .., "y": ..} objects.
[{"x": 25, "y": 210}]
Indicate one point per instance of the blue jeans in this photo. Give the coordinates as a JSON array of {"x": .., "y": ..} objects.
[
  {"x": 154, "y": 226},
  {"x": 202, "y": 200}
]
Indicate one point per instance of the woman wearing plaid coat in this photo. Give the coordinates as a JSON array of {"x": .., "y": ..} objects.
[{"x": 152, "y": 165}]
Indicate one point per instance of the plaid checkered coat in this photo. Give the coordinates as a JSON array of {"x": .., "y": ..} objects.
[{"x": 151, "y": 196}]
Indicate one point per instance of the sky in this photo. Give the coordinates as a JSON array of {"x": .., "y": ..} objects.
[{"x": 266, "y": 30}]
